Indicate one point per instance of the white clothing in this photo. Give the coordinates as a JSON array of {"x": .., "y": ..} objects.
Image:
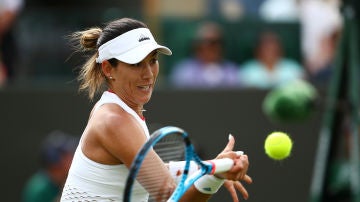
[
  {"x": 319, "y": 19},
  {"x": 92, "y": 181},
  {"x": 279, "y": 11}
]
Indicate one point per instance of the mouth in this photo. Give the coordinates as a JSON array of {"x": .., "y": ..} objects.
[{"x": 145, "y": 87}]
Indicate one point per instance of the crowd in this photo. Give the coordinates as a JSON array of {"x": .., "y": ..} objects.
[
  {"x": 209, "y": 66},
  {"x": 270, "y": 65}
]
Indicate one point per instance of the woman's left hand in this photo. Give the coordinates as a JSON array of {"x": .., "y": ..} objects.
[
  {"x": 238, "y": 173},
  {"x": 232, "y": 186}
]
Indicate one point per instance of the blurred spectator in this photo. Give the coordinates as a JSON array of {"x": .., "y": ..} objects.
[
  {"x": 279, "y": 10},
  {"x": 9, "y": 10},
  {"x": 269, "y": 68},
  {"x": 234, "y": 9},
  {"x": 56, "y": 154},
  {"x": 207, "y": 68},
  {"x": 321, "y": 26},
  {"x": 231, "y": 9}
]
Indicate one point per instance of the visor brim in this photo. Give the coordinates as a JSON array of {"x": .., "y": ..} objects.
[{"x": 139, "y": 53}]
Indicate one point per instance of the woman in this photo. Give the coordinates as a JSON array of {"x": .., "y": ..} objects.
[{"x": 125, "y": 62}]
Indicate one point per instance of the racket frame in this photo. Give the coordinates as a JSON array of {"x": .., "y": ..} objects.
[{"x": 190, "y": 155}]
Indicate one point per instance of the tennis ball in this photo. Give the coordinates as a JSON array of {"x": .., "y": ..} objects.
[{"x": 278, "y": 145}]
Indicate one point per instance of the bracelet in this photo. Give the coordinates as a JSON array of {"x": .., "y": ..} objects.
[{"x": 208, "y": 184}]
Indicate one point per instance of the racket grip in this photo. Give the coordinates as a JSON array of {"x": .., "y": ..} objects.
[{"x": 221, "y": 165}]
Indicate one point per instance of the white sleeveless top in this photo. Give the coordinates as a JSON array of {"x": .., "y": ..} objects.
[{"x": 91, "y": 181}]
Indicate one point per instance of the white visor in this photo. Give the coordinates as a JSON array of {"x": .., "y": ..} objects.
[{"x": 131, "y": 47}]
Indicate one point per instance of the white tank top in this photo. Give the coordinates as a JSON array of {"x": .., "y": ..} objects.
[{"x": 91, "y": 181}]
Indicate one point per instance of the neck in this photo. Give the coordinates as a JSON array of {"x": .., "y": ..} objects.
[{"x": 139, "y": 109}]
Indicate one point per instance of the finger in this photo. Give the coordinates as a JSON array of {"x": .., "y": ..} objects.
[
  {"x": 241, "y": 189},
  {"x": 228, "y": 154},
  {"x": 247, "y": 179},
  {"x": 229, "y": 185},
  {"x": 239, "y": 153},
  {"x": 230, "y": 145},
  {"x": 244, "y": 164},
  {"x": 241, "y": 166}
]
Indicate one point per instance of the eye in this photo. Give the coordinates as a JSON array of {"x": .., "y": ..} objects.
[{"x": 153, "y": 60}]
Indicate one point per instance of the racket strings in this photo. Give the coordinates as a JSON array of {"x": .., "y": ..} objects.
[
  {"x": 160, "y": 185},
  {"x": 171, "y": 148}
]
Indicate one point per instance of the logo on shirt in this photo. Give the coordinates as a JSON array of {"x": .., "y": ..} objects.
[{"x": 143, "y": 38}]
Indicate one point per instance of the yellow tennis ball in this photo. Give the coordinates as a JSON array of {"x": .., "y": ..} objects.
[{"x": 278, "y": 145}]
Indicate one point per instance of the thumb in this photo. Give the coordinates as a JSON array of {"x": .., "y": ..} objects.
[{"x": 230, "y": 145}]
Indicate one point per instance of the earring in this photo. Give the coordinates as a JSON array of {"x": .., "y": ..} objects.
[{"x": 111, "y": 78}]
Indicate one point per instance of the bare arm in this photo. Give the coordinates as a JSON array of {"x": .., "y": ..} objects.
[{"x": 115, "y": 137}]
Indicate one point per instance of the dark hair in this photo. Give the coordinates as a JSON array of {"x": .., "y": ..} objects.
[
  {"x": 118, "y": 27},
  {"x": 55, "y": 145},
  {"x": 91, "y": 76}
]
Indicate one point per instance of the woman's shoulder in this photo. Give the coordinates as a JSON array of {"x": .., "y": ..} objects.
[
  {"x": 111, "y": 115},
  {"x": 110, "y": 122}
]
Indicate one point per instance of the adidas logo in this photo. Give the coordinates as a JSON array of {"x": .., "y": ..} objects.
[
  {"x": 207, "y": 189},
  {"x": 143, "y": 38}
]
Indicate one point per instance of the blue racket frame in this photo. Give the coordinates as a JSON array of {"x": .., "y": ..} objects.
[{"x": 190, "y": 155}]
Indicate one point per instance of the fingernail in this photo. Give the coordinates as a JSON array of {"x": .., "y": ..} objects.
[
  {"x": 230, "y": 136},
  {"x": 239, "y": 153}
]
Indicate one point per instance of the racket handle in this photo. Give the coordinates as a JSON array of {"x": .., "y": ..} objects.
[{"x": 221, "y": 165}]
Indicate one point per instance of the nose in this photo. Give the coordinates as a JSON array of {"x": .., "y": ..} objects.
[{"x": 147, "y": 71}]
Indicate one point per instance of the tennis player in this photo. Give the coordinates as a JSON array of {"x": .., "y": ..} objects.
[{"x": 125, "y": 62}]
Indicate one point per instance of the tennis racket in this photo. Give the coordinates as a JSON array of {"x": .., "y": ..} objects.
[{"x": 170, "y": 144}]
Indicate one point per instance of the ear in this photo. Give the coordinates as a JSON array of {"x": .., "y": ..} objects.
[{"x": 106, "y": 68}]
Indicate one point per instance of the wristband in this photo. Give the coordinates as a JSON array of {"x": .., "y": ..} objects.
[{"x": 208, "y": 184}]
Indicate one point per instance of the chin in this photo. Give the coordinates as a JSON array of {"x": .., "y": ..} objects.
[{"x": 145, "y": 99}]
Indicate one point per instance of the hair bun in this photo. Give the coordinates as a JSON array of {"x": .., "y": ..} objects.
[{"x": 89, "y": 38}]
